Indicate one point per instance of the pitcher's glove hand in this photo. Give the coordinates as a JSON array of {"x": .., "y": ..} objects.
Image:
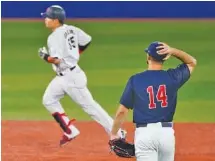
[{"x": 122, "y": 148}]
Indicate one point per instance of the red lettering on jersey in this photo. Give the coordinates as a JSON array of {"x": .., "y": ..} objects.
[
  {"x": 150, "y": 91},
  {"x": 160, "y": 96}
]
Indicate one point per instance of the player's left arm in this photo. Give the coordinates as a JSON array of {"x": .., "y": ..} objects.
[{"x": 126, "y": 103}]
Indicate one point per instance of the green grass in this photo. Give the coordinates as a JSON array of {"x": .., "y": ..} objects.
[{"x": 115, "y": 54}]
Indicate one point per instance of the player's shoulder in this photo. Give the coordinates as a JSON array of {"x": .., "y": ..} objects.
[
  {"x": 70, "y": 26},
  {"x": 73, "y": 27},
  {"x": 136, "y": 76},
  {"x": 148, "y": 74},
  {"x": 140, "y": 74},
  {"x": 54, "y": 36},
  {"x": 58, "y": 33},
  {"x": 180, "y": 68}
]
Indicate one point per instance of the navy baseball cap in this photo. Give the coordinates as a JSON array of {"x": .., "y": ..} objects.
[
  {"x": 55, "y": 12},
  {"x": 152, "y": 51}
]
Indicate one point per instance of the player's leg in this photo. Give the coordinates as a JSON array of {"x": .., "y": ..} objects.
[
  {"x": 51, "y": 100},
  {"x": 89, "y": 105},
  {"x": 167, "y": 145},
  {"x": 145, "y": 145},
  {"x": 77, "y": 90}
]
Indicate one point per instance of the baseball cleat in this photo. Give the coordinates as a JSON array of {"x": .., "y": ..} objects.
[{"x": 68, "y": 137}]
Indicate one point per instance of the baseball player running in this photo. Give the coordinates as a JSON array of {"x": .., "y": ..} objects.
[
  {"x": 65, "y": 44},
  {"x": 152, "y": 95}
]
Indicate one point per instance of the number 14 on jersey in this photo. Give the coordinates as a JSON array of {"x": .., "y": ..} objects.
[{"x": 161, "y": 96}]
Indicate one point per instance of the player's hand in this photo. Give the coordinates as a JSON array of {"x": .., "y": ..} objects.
[
  {"x": 42, "y": 52},
  {"x": 113, "y": 137},
  {"x": 164, "y": 49}
]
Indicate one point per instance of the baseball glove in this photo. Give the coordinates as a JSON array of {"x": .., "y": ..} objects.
[{"x": 122, "y": 148}]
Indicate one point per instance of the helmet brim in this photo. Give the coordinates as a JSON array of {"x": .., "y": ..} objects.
[
  {"x": 44, "y": 15},
  {"x": 146, "y": 50},
  {"x": 47, "y": 15}
]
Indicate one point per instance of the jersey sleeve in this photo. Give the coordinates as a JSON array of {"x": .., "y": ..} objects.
[
  {"x": 180, "y": 75},
  {"x": 127, "y": 96},
  {"x": 83, "y": 37}
]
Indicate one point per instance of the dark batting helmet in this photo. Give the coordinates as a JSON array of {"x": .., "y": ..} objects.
[{"x": 55, "y": 12}]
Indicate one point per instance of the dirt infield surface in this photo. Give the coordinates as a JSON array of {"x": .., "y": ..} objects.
[{"x": 38, "y": 141}]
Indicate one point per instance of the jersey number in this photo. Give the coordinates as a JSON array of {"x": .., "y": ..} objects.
[
  {"x": 71, "y": 43},
  {"x": 160, "y": 96}
]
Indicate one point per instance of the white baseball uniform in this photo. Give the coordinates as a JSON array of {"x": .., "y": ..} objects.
[
  {"x": 63, "y": 43},
  {"x": 154, "y": 143}
]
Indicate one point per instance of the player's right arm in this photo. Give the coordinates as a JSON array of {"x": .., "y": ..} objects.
[
  {"x": 43, "y": 53},
  {"x": 182, "y": 73},
  {"x": 179, "y": 54},
  {"x": 45, "y": 56},
  {"x": 55, "y": 52},
  {"x": 185, "y": 58}
]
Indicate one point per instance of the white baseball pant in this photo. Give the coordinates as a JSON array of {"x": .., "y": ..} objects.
[
  {"x": 154, "y": 143},
  {"x": 74, "y": 84}
]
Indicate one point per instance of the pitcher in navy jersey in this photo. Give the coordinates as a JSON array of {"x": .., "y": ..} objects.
[{"x": 152, "y": 95}]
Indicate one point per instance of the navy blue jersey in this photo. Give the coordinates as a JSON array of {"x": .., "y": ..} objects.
[{"x": 152, "y": 94}]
